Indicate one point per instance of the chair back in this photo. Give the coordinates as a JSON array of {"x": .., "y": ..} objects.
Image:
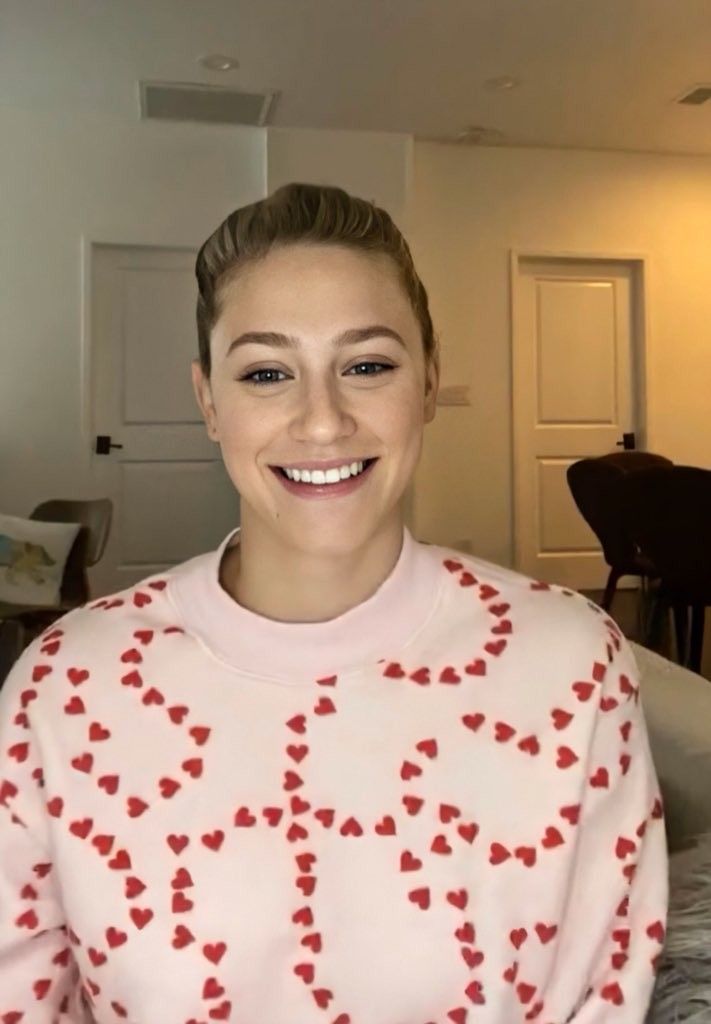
[
  {"x": 593, "y": 482},
  {"x": 668, "y": 512},
  {"x": 95, "y": 519}
]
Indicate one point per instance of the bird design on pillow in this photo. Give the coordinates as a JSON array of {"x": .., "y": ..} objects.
[{"x": 23, "y": 558}]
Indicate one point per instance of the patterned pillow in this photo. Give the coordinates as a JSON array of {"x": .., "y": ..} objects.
[{"x": 32, "y": 559}]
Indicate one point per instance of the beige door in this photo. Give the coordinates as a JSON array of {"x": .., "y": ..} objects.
[
  {"x": 573, "y": 396},
  {"x": 172, "y": 497}
]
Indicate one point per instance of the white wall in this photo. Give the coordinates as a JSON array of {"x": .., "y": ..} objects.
[
  {"x": 112, "y": 181},
  {"x": 469, "y": 208}
]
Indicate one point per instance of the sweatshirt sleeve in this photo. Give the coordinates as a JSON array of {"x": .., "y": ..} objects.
[
  {"x": 616, "y": 913},
  {"x": 39, "y": 981}
]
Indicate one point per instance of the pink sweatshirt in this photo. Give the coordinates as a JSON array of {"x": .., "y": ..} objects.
[{"x": 438, "y": 808}]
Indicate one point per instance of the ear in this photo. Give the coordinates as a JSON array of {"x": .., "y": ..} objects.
[
  {"x": 203, "y": 394},
  {"x": 431, "y": 386}
]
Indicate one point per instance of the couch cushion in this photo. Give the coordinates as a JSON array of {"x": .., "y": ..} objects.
[{"x": 677, "y": 708}]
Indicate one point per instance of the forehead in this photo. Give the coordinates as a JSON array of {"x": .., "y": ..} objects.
[{"x": 313, "y": 284}]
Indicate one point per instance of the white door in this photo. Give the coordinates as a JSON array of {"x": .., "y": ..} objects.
[
  {"x": 172, "y": 496},
  {"x": 573, "y": 396}
]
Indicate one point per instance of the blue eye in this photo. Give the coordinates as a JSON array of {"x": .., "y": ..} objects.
[{"x": 250, "y": 377}]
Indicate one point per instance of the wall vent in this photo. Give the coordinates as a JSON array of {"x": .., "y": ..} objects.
[
  {"x": 696, "y": 96},
  {"x": 211, "y": 104}
]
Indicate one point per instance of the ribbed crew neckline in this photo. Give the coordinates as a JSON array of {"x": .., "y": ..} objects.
[{"x": 297, "y": 652}]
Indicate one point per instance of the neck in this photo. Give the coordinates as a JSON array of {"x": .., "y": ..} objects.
[{"x": 287, "y": 584}]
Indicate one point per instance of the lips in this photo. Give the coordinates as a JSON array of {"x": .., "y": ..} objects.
[{"x": 325, "y": 466}]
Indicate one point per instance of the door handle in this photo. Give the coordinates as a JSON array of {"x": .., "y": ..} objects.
[
  {"x": 104, "y": 444},
  {"x": 628, "y": 442}
]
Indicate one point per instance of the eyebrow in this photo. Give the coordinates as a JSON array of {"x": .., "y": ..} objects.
[{"x": 349, "y": 337}]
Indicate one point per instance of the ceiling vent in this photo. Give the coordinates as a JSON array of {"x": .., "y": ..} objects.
[
  {"x": 699, "y": 94},
  {"x": 209, "y": 104}
]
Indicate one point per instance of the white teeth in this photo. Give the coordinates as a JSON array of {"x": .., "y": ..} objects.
[{"x": 330, "y": 476}]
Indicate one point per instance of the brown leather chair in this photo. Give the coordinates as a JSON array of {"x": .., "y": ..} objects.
[
  {"x": 668, "y": 514},
  {"x": 594, "y": 484},
  {"x": 95, "y": 518}
]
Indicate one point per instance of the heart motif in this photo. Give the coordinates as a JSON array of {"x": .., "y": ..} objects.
[
  {"x": 473, "y": 722},
  {"x": 495, "y": 647},
  {"x": 552, "y": 838},
  {"x": 546, "y": 932},
  {"x": 409, "y": 770},
  {"x": 115, "y": 938},
  {"x": 305, "y": 971},
  {"x": 530, "y": 745},
  {"x": 468, "y": 832},
  {"x": 600, "y": 779},
  {"x": 140, "y": 917},
  {"x": 77, "y": 676},
  {"x": 612, "y": 993},
  {"x": 472, "y": 957},
  {"x": 75, "y": 706},
  {"x": 477, "y": 667},
  {"x": 571, "y": 813},
  {"x": 518, "y": 936},
  {"x": 526, "y": 854},
  {"x": 386, "y": 827},
  {"x": 566, "y": 757},
  {"x": 214, "y": 952},
  {"x": 466, "y": 933},
  {"x": 109, "y": 783},
  {"x": 561, "y": 718},
  {"x": 440, "y": 845},
  {"x": 408, "y": 862},
  {"x": 583, "y": 691},
  {"x": 498, "y": 854},
  {"x": 447, "y": 812},
  {"x": 427, "y": 747},
  {"x": 421, "y": 676},
  {"x": 421, "y": 897},
  {"x": 448, "y": 675},
  {"x": 467, "y": 580},
  {"x": 458, "y": 898},
  {"x": 412, "y": 804},
  {"x": 503, "y": 732},
  {"x": 511, "y": 972},
  {"x": 624, "y": 847},
  {"x": 212, "y": 989}
]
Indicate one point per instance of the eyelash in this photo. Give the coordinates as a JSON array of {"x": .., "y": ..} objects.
[{"x": 264, "y": 383}]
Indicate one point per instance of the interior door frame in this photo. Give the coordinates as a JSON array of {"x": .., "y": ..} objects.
[{"x": 642, "y": 265}]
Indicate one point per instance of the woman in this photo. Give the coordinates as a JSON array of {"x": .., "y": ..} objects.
[{"x": 326, "y": 772}]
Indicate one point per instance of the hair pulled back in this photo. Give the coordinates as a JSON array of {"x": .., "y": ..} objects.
[{"x": 320, "y": 214}]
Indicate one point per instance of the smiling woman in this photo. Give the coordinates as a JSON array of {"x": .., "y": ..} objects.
[{"x": 327, "y": 773}]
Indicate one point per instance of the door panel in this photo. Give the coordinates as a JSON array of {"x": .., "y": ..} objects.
[
  {"x": 172, "y": 496},
  {"x": 573, "y": 396}
]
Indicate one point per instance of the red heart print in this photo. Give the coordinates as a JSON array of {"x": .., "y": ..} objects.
[
  {"x": 182, "y": 937},
  {"x": 182, "y": 879},
  {"x": 625, "y": 731},
  {"x": 477, "y": 667},
  {"x": 273, "y": 815},
  {"x": 447, "y": 812},
  {"x": 472, "y": 957},
  {"x": 213, "y": 840},
  {"x": 408, "y": 862},
  {"x": 499, "y": 609},
  {"x": 297, "y": 752},
  {"x": 212, "y": 989},
  {"x": 298, "y": 806},
  {"x": 511, "y": 972},
  {"x": 495, "y": 647},
  {"x": 525, "y": 992},
  {"x": 324, "y": 706},
  {"x": 133, "y": 887},
  {"x": 530, "y": 745},
  {"x": 305, "y": 861},
  {"x": 612, "y": 993},
  {"x": 180, "y": 903},
  {"x": 50, "y": 648},
  {"x": 104, "y": 844},
  {"x": 135, "y": 806},
  {"x": 503, "y": 732},
  {"x": 214, "y": 951},
  {"x": 133, "y": 678},
  {"x": 83, "y": 763},
  {"x": 498, "y": 854},
  {"x": 55, "y": 806},
  {"x": 81, "y": 828},
  {"x": 77, "y": 676},
  {"x": 297, "y": 724},
  {"x": 96, "y": 956},
  {"x": 407, "y": 771},
  {"x": 27, "y": 696},
  {"x": 221, "y": 1012},
  {"x": 158, "y": 585},
  {"x": 144, "y": 635},
  {"x": 598, "y": 672},
  {"x": 109, "y": 783},
  {"x": 448, "y": 675},
  {"x": 465, "y": 933},
  {"x": 421, "y": 676},
  {"x": 386, "y": 827},
  {"x": 132, "y": 657},
  {"x": 193, "y": 767},
  {"x": 486, "y": 591},
  {"x": 561, "y": 718},
  {"x": 140, "y": 599},
  {"x": 571, "y": 813},
  {"x": 458, "y": 898},
  {"x": 97, "y": 733},
  {"x": 200, "y": 733},
  {"x": 656, "y": 931},
  {"x": 75, "y": 706},
  {"x": 626, "y": 686},
  {"x": 153, "y": 696},
  {"x": 502, "y": 628},
  {"x": 440, "y": 845},
  {"x": 458, "y": 1015},
  {"x": 467, "y": 580},
  {"x": 526, "y": 854},
  {"x": 427, "y": 747},
  {"x": 566, "y": 757},
  {"x": 452, "y": 565},
  {"x": 28, "y": 893},
  {"x": 618, "y": 960},
  {"x": 351, "y": 827},
  {"x": 27, "y": 920},
  {"x": 601, "y": 779},
  {"x": 545, "y": 932},
  {"x": 305, "y": 971},
  {"x": 622, "y": 936},
  {"x": 412, "y": 804},
  {"x": 325, "y": 815},
  {"x": 552, "y": 838},
  {"x": 303, "y": 916},
  {"x": 625, "y": 762},
  {"x": 307, "y": 884},
  {"x": 121, "y": 861},
  {"x": 421, "y": 897},
  {"x": 624, "y": 847},
  {"x": 394, "y": 671},
  {"x": 473, "y": 722},
  {"x": 168, "y": 787},
  {"x": 323, "y": 996},
  {"x": 177, "y": 713},
  {"x": 41, "y": 987},
  {"x": 584, "y": 691},
  {"x": 115, "y": 938},
  {"x": 19, "y": 751},
  {"x": 39, "y": 672},
  {"x": 140, "y": 917},
  {"x": 608, "y": 703},
  {"x": 518, "y": 936},
  {"x": 468, "y": 831}
]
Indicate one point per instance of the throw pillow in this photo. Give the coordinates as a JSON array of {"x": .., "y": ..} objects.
[{"x": 32, "y": 559}]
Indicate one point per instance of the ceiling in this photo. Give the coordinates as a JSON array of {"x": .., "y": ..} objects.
[{"x": 600, "y": 74}]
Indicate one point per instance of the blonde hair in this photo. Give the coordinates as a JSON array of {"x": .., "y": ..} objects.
[{"x": 320, "y": 214}]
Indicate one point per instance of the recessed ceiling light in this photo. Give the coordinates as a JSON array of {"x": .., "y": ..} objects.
[
  {"x": 502, "y": 84},
  {"x": 219, "y": 62}
]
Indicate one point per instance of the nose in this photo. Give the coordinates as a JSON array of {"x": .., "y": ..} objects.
[{"x": 323, "y": 412}]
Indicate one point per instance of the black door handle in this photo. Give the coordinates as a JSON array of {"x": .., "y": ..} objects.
[
  {"x": 628, "y": 442},
  {"x": 104, "y": 444}
]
